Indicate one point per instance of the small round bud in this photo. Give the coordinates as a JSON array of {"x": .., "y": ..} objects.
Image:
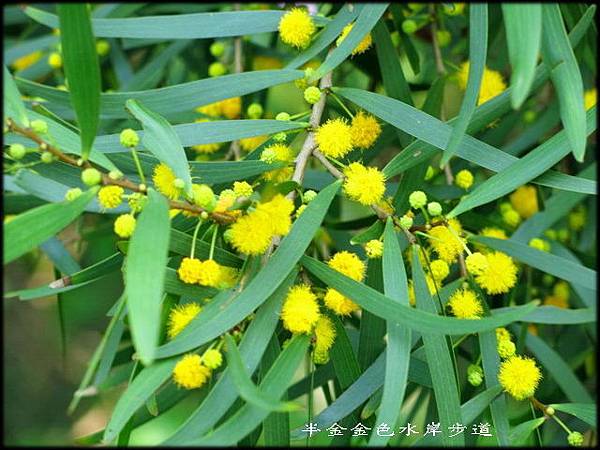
[
  {"x": 539, "y": 244},
  {"x": 137, "y": 201},
  {"x": 115, "y": 174},
  {"x": 129, "y": 138},
  {"x": 268, "y": 155},
  {"x": 443, "y": 37},
  {"x": 511, "y": 217},
  {"x": 178, "y": 183},
  {"x": 217, "y": 69},
  {"x": 529, "y": 116},
  {"x": 282, "y": 116},
  {"x": 212, "y": 358},
  {"x": 17, "y": 151},
  {"x": 312, "y": 95},
  {"x": 255, "y": 111},
  {"x": 417, "y": 199},
  {"x": 374, "y": 248},
  {"x": 102, "y": 47},
  {"x": 409, "y": 26},
  {"x": 309, "y": 72},
  {"x": 280, "y": 137},
  {"x": 563, "y": 235},
  {"x": 474, "y": 375},
  {"x": 242, "y": 189},
  {"x": 506, "y": 348},
  {"x": 204, "y": 215},
  {"x": 91, "y": 177},
  {"x": 434, "y": 208},
  {"x": 142, "y": 187},
  {"x": 406, "y": 222},
  {"x": 217, "y": 49},
  {"x": 464, "y": 179},
  {"x": 80, "y": 162},
  {"x": 204, "y": 196},
  {"x": 575, "y": 439},
  {"x": 547, "y": 280},
  {"x": 55, "y": 60},
  {"x": 72, "y": 194},
  {"x": 227, "y": 235},
  {"x": 43, "y": 146},
  {"x": 47, "y": 157},
  {"x": 550, "y": 411},
  {"x": 309, "y": 196},
  {"x": 39, "y": 126},
  {"x": 550, "y": 234}
]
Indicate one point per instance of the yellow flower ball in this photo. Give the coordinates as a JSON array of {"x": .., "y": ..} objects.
[
  {"x": 465, "y": 304},
  {"x": 493, "y": 232},
  {"x": 502, "y": 334},
  {"x": 278, "y": 211},
  {"x": 374, "y": 248},
  {"x": 365, "y": 185},
  {"x": 250, "y": 143},
  {"x": 300, "y": 311},
  {"x": 251, "y": 234},
  {"x": 506, "y": 348},
  {"x": 339, "y": 304},
  {"x": 540, "y": 244},
  {"x": 439, "y": 269},
  {"x": 524, "y": 201},
  {"x": 324, "y": 338},
  {"x": 492, "y": 83},
  {"x": 110, "y": 196},
  {"x": 297, "y": 28},
  {"x": 24, "y": 62},
  {"x": 464, "y": 179},
  {"x": 281, "y": 153},
  {"x": 446, "y": 243},
  {"x": 476, "y": 263},
  {"x": 561, "y": 289},
  {"x": 242, "y": 189},
  {"x": 210, "y": 273},
  {"x": 334, "y": 138},
  {"x": 124, "y": 225},
  {"x": 180, "y": 316},
  {"x": 589, "y": 98},
  {"x": 364, "y": 130},
  {"x": 189, "y": 373},
  {"x": 212, "y": 109},
  {"x": 500, "y": 275},
  {"x": 349, "y": 264},
  {"x": 519, "y": 376},
  {"x": 231, "y": 107},
  {"x": 212, "y": 358},
  {"x": 163, "y": 178},
  {"x": 363, "y": 45},
  {"x": 577, "y": 219},
  {"x": 511, "y": 217},
  {"x": 55, "y": 60},
  {"x": 190, "y": 270}
]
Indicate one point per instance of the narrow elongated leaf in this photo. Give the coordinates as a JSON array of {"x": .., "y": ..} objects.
[
  {"x": 162, "y": 141},
  {"x": 30, "y": 229},
  {"x": 556, "y": 316},
  {"x": 246, "y": 388},
  {"x": 523, "y": 23},
  {"x": 544, "y": 261},
  {"x": 478, "y": 37},
  {"x": 566, "y": 77},
  {"x": 276, "y": 427},
  {"x": 279, "y": 265},
  {"x": 583, "y": 411},
  {"x": 398, "y": 337},
  {"x": 81, "y": 67},
  {"x": 519, "y": 434},
  {"x": 181, "y": 243},
  {"x": 14, "y": 107},
  {"x": 438, "y": 355},
  {"x": 145, "y": 274},
  {"x": 417, "y": 320},
  {"x": 368, "y": 17}
]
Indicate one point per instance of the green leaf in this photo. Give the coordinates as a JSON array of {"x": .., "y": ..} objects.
[
  {"x": 279, "y": 265},
  {"x": 438, "y": 355},
  {"x": 181, "y": 243},
  {"x": 478, "y": 37},
  {"x": 223, "y": 394},
  {"x": 145, "y": 274},
  {"x": 417, "y": 320},
  {"x": 171, "y": 99},
  {"x": 556, "y": 316},
  {"x": 276, "y": 427},
  {"x": 566, "y": 77},
  {"x": 81, "y": 67},
  {"x": 162, "y": 141},
  {"x": 583, "y": 411},
  {"x": 246, "y": 388},
  {"x": 399, "y": 338},
  {"x": 519, "y": 434},
  {"x": 371, "y": 340},
  {"x": 523, "y": 24},
  {"x": 367, "y": 18},
  {"x": 535, "y": 163},
  {"x": 275, "y": 382},
  {"x": 436, "y": 133},
  {"x": 544, "y": 261},
  {"x": 373, "y": 232},
  {"x": 30, "y": 229},
  {"x": 173, "y": 285},
  {"x": 14, "y": 107}
]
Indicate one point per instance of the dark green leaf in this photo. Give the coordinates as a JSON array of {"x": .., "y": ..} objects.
[
  {"x": 583, "y": 411},
  {"x": 14, "y": 107}
]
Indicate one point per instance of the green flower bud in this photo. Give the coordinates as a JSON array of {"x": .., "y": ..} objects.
[
  {"x": 227, "y": 235},
  {"x": 17, "y": 151},
  {"x": 268, "y": 155},
  {"x": 129, "y": 138},
  {"x": 72, "y": 194},
  {"x": 115, "y": 174},
  {"x": 91, "y": 177},
  {"x": 550, "y": 411},
  {"x": 430, "y": 173},
  {"x": 309, "y": 196},
  {"x": 204, "y": 215},
  {"x": 443, "y": 37},
  {"x": 102, "y": 47},
  {"x": 217, "y": 49},
  {"x": 282, "y": 116},
  {"x": 434, "y": 208},
  {"x": 312, "y": 95},
  {"x": 409, "y": 26},
  {"x": 406, "y": 222},
  {"x": 217, "y": 69},
  {"x": 39, "y": 126},
  {"x": 254, "y": 111},
  {"x": 204, "y": 196},
  {"x": 575, "y": 439},
  {"x": 47, "y": 157},
  {"x": 506, "y": 348},
  {"x": 417, "y": 199},
  {"x": 529, "y": 116},
  {"x": 547, "y": 280},
  {"x": 178, "y": 183},
  {"x": 137, "y": 201},
  {"x": 474, "y": 375}
]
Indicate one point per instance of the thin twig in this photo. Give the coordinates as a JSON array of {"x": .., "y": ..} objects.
[{"x": 330, "y": 167}]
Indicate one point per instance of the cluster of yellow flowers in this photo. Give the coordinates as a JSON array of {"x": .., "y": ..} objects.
[
  {"x": 465, "y": 304},
  {"x": 281, "y": 153},
  {"x": 206, "y": 273},
  {"x": 231, "y": 108},
  {"x": 336, "y": 138},
  {"x": 350, "y": 265}
]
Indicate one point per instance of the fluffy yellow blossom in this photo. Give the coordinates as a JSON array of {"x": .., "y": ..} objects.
[
  {"x": 163, "y": 178},
  {"x": 589, "y": 98},
  {"x": 55, "y": 60},
  {"x": 324, "y": 338},
  {"x": 210, "y": 273},
  {"x": 554, "y": 300},
  {"x": 24, "y": 62},
  {"x": 349, "y": 264},
  {"x": 189, "y": 373},
  {"x": 250, "y": 143},
  {"x": 364, "y": 130},
  {"x": 110, "y": 196},
  {"x": 334, "y": 138},
  {"x": 242, "y": 189},
  {"x": 231, "y": 107},
  {"x": 297, "y": 28},
  {"x": 365, "y": 185},
  {"x": 524, "y": 201},
  {"x": 492, "y": 83},
  {"x": 300, "y": 311},
  {"x": 278, "y": 210},
  {"x": 493, "y": 232},
  {"x": 439, "y": 269},
  {"x": 500, "y": 275},
  {"x": 374, "y": 248},
  {"x": 212, "y": 109},
  {"x": 190, "y": 270},
  {"x": 519, "y": 376},
  {"x": 338, "y": 303},
  {"x": 476, "y": 263},
  {"x": 212, "y": 358},
  {"x": 465, "y": 304},
  {"x": 180, "y": 316},
  {"x": 280, "y": 153},
  {"x": 124, "y": 225},
  {"x": 506, "y": 348},
  {"x": 502, "y": 334},
  {"x": 446, "y": 243},
  {"x": 363, "y": 45},
  {"x": 251, "y": 234}
]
